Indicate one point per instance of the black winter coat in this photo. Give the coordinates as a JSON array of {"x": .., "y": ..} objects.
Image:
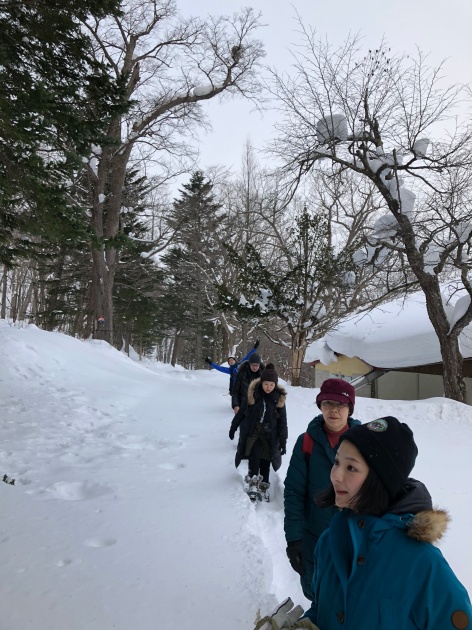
[
  {"x": 244, "y": 378},
  {"x": 275, "y": 418}
]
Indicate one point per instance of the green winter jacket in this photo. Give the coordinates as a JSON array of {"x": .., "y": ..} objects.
[{"x": 303, "y": 520}]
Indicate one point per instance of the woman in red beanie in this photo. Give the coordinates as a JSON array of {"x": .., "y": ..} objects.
[{"x": 308, "y": 474}]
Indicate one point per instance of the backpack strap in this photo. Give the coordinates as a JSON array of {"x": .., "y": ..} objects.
[{"x": 307, "y": 447}]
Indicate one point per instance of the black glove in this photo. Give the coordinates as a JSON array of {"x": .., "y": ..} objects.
[
  {"x": 208, "y": 360},
  {"x": 256, "y": 345},
  {"x": 283, "y": 448},
  {"x": 231, "y": 434},
  {"x": 294, "y": 554}
]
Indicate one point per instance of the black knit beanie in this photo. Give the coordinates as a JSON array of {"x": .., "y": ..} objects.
[
  {"x": 255, "y": 359},
  {"x": 388, "y": 447},
  {"x": 269, "y": 374}
]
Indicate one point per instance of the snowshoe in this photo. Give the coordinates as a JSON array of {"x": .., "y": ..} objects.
[
  {"x": 264, "y": 489},
  {"x": 252, "y": 487}
]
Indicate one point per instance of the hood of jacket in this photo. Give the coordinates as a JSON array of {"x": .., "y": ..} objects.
[
  {"x": 251, "y": 399},
  {"x": 417, "y": 514}
]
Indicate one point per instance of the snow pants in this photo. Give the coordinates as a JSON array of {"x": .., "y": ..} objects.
[{"x": 257, "y": 464}]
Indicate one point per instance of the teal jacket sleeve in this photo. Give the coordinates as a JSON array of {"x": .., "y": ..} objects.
[
  {"x": 296, "y": 486},
  {"x": 442, "y": 601}
]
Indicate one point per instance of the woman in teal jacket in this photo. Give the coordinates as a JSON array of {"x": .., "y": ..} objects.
[
  {"x": 308, "y": 475},
  {"x": 376, "y": 568}
]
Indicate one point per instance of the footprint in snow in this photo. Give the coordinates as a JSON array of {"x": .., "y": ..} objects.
[
  {"x": 168, "y": 443},
  {"x": 100, "y": 542},
  {"x": 63, "y": 563},
  {"x": 77, "y": 490},
  {"x": 136, "y": 443},
  {"x": 170, "y": 466},
  {"x": 23, "y": 481}
]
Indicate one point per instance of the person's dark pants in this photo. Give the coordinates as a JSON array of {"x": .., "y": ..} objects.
[{"x": 257, "y": 465}]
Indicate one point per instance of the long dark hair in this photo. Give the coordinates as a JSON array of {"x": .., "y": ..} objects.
[{"x": 372, "y": 498}]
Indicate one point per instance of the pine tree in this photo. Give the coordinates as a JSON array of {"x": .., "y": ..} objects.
[
  {"x": 196, "y": 219},
  {"x": 305, "y": 286},
  {"x": 55, "y": 102},
  {"x": 138, "y": 281}
]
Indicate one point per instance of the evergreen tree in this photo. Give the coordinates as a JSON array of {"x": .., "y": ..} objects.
[
  {"x": 138, "y": 281},
  {"x": 308, "y": 285},
  {"x": 55, "y": 102},
  {"x": 196, "y": 219}
]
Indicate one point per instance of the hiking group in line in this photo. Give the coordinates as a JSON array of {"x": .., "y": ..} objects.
[{"x": 360, "y": 532}]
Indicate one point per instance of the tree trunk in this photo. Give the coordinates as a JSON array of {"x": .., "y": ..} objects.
[
  {"x": 244, "y": 336},
  {"x": 452, "y": 360},
  {"x": 199, "y": 364},
  {"x": 453, "y": 377},
  {"x": 298, "y": 354},
  {"x": 13, "y": 294},
  {"x": 175, "y": 349},
  {"x": 225, "y": 345},
  {"x": 102, "y": 296},
  {"x": 25, "y": 302},
  {"x": 105, "y": 221},
  {"x": 52, "y": 298},
  {"x": 297, "y": 362},
  {"x": 3, "y": 311},
  {"x": 127, "y": 343},
  {"x": 34, "y": 301}
]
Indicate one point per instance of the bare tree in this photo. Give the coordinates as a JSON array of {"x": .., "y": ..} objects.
[
  {"x": 378, "y": 115},
  {"x": 168, "y": 65},
  {"x": 241, "y": 200},
  {"x": 302, "y": 280}
]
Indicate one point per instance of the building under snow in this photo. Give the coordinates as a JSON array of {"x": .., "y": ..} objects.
[{"x": 395, "y": 347}]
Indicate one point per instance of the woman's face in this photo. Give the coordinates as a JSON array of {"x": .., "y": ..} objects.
[
  {"x": 348, "y": 474},
  {"x": 335, "y": 414},
  {"x": 268, "y": 386}
]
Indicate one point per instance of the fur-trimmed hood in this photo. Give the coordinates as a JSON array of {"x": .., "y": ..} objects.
[
  {"x": 429, "y": 525},
  {"x": 417, "y": 514},
  {"x": 251, "y": 390}
]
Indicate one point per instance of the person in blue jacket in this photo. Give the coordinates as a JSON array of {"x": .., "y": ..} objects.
[
  {"x": 377, "y": 566},
  {"x": 308, "y": 475},
  {"x": 232, "y": 370}
]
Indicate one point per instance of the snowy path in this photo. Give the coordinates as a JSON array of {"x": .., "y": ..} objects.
[
  {"x": 126, "y": 500},
  {"x": 127, "y": 511}
]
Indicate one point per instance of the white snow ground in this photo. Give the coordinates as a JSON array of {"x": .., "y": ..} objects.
[{"x": 127, "y": 511}]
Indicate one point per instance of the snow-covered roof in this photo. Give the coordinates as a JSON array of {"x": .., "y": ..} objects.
[{"x": 395, "y": 335}]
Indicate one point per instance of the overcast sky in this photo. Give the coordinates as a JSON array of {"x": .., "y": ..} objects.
[{"x": 437, "y": 27}]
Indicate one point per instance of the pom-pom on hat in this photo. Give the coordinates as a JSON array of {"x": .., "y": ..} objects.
[
  {"x": 388, "y": 447},
  {"x": 269, "y": 373},
  {"x": 255, "y": 359},
  {"x": 338, "y": 390}
]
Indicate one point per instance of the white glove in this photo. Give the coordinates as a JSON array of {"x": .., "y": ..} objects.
[{"x": 282, "y": 617}]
